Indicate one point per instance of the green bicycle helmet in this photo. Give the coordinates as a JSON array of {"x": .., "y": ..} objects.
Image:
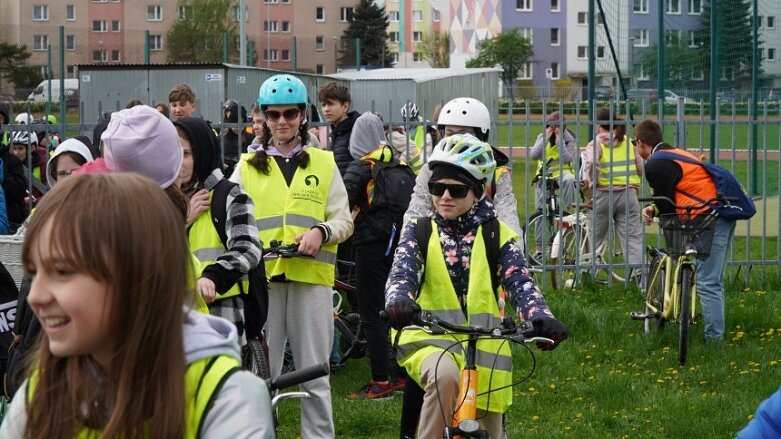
[
  {"x": 282, "y": 90},
  {"x": 467, "y": 152}
]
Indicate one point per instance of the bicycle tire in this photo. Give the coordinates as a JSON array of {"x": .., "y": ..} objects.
[
  {"x": 654, "y": 293},
  {"x": 611, "y": 255},
  {"x": 256, "y": 359},
  {"x": 350, "y": 344},
  {"x": 684, "y": 320},
  {"x": 569, "y": 250},
  {"x": 531, "y": 230}
]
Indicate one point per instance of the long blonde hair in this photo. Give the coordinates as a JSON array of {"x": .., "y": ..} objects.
[{"x": 133, "y": 240}]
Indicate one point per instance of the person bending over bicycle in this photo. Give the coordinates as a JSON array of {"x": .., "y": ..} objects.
[
  {"x": 454, "y": 282},
  {"x": 670, "y": 178}
]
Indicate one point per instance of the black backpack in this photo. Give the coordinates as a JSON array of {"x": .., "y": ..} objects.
[
  {"x": 393, "y": 185},
  {"x": 256, "y": 300},
  {"x": 490, "y": 232}
]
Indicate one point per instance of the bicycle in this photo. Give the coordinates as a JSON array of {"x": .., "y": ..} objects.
[
  {"x": 464, "y": 423},
  {"x": 539, "y": 229},
  {"x": 671, "y": 289},
  {"x": 286, "y": 380}
]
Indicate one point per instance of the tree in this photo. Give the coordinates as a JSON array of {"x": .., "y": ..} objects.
[
  {"x": 734, "y": 40},
  {"x": 369, "y": 23},
  {"x": 198, "y": 37},
  {"x": 435, "y": 48},
  {"x": 14, "y": 68},
  {"x": 509, "y": 50},
  {"x": 682, "y": 64}
]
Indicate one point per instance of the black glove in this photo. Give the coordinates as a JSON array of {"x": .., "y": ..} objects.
[
  {"x": 402, "y": 313},
  {"x": 551, "y": 328}
]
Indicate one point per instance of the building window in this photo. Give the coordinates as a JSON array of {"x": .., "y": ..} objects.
[
  {"x": 236, "y": 12},
  {"x": 183, "y": 12},
  {"x": 99, "y": 56},
  {"x": 40, "y": 42},
  {"x": 582, "y": 18},
  {"x": 554, "y": 36},
  {"x": 394, "y": 57},
  {"x": 270, "y": 1},
  {"x": 698, "y": 75},
  {"x": 672, "y": 37},
  {"x": 528, "y": 33},
  {"x": 70, "y": 12},
  {"x": 693, "y": 40},
  {"x": 771, "y": 54},
  {"x": 154, "y": 13},
  {"x": 269, "y": 26},
  {"x": 582, "y": 54},
  {"x": 115, "y": 27},
  {"x": 641, "y": 37},
  {"x": 554, "y": 66},
  {"x": 319, "y": 69},
  {"x": 285, "y": 2},
  {"x": 642, "y": 75},
  {"x": 523, "y": 5},
  {"x": 417, "y": 57},
  {"x": 672, "y": 6},
  {"x": 270, "y": 55},
  {"x": 115, "y": 56},
  {"x": 320, "y": 43},
  {"x": 99, "y": 26},
  {"x": 155, "y": 42},
  {"x": 600, "y": 52},
  {"x": 417, "y": 36},
  {"x": 285, "y": 55},
  {"x": 417, "y": 15},
  {"x": 554, "y": 6},
  {"x": 40, "y": 13},
  {"x": 320, "y": 13},
  {"x": 346, "y": 14},
  {"x": 70, "y": 42},
  {"x": 393, "y": 15},
  {"x": 771, "y": 22},
  {"x": 526, "y": 71},
  {"x": 435, "y": 15},
  {"x": 70, "y": 72},
  {"x": 640, "y": 7},
  {"x": 394, "y": 37},
  {"x": 695, "y": 7},
  {"x": 99, "y": 1},
  {"x": 285, "y": 26}
]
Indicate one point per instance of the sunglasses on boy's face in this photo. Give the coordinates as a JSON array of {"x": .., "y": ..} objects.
[
  {"x": 289, "y": 114},
  {"x": 455, "y": 190}
]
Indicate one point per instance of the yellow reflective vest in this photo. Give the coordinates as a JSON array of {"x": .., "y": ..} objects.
[
  {"x": 438, "y": 296},
  {"x": 206, "y": 246},
  {"x": 202, "y": 381},
  {"x": 617, "y": 165},
  {"x": 283, "y": 212},
  {"x": 553, "y": 157}
]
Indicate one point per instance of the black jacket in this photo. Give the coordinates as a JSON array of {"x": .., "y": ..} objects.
[
  {"x": 15, "y": 187},
  {"x": 357, "y": 176},
  {"x": 340, "y": 141}
]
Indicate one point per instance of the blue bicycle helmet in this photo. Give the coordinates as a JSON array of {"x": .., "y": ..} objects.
[{"x": 282, "y": 90}]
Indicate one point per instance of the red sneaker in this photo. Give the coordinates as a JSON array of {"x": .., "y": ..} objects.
[
  {"x": 374, "y": 390},
  {"x": 399, "y": 384}
]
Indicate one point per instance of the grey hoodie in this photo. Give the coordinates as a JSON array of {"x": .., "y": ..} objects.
[
  {"x": 367, "y": 135},
  {"x": 241, "y": 409}
]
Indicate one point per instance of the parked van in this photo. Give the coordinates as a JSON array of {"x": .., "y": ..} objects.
[{"x": 41, "y": 92}]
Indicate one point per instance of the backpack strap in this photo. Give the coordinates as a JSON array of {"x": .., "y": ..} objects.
[
  {"x": 219, "y": 209},
  {"x": 491, "y": 240},
  {"x": 423, "y": 231}
]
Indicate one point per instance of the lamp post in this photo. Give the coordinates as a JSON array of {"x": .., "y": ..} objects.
[
  {"x": 336, "y": 52},
  {"x": 631, "y": 61}
]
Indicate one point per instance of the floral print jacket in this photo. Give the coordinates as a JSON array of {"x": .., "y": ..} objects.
[{"x": 456, "y": 237}]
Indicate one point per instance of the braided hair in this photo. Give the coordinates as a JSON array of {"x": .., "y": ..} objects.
[{"x": 260, "y": 160}]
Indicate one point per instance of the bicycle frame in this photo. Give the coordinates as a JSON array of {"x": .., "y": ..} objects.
[{"x": 671, "y": 307}]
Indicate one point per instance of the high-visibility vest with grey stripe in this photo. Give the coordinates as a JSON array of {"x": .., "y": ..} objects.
[
  {"x": 439, "y": 297},
  {"x": 283, "y": 212},
  {"x": 206, "y": 246},
  {"x": 553, "y": 157},
  {"x": 617, "y": 165}
]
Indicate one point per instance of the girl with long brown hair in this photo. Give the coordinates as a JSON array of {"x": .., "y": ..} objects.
[{"x": 121, "y": 355}]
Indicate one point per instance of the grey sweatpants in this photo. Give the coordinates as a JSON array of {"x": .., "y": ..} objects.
[
  {"x": 624, "y": 217},
  {"x": 303, "y": 313}
]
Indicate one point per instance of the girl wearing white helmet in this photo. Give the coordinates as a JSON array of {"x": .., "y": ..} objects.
[
  {"x": 470, "y": 116},
  {"x": 458, "y": 286},
  {"x": 299, "y": 198}
]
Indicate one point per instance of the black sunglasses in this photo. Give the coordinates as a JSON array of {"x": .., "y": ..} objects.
[
  {"x": 455, "y": 190},
  {"x": 289, "y": 114},
  {"x": 634, "y": 142}
]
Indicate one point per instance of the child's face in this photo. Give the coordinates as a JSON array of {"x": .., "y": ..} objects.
[
  {"x": 65, "y": 166},
  {"x": 19, "y": 151},
  {"x": 71, "y": 306},
  {"x": 335, "y": 111},
  {"x": 180, "y": 109},
  {"x": 284, "y": 121},
  {"x": 451, "y": 207},
  {"x": 257, "y": 124},
  {"x": 188, "y": 163}
]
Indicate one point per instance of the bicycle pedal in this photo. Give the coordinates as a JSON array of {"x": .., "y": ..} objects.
[{"x": 636, "y": 315}]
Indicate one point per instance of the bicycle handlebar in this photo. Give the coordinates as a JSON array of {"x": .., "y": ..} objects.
[
  {"x": 523, "y": 332},
  {"x": 279, "y": 250},
  {"x": 298, "y": 376},
  {"x": 690, "y": 207}
]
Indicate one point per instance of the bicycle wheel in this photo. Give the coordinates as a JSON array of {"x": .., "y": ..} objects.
[
  {"x": 351, "y": 344},
  {"x": 654, "y": 293},
  {"x": 535, "y": 231},
  {"x": 256, "y": 358},
  {"x": 569, "y": 250},
  {"x": 612, "y": 258},
  {"x": 684, "y": 320}
]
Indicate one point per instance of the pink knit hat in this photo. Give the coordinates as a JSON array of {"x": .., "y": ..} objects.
[{"x": 141, "y": 140}]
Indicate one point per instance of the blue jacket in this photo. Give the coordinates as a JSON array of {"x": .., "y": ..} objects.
[
  {"x": 3, "y": 208},
  {"x": 767, "y": 420}
]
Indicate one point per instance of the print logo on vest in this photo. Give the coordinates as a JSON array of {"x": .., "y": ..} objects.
[{"x": 312, "y": 180}]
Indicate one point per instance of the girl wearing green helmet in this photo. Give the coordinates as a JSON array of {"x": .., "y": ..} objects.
[{"x": 299, "y": 198}]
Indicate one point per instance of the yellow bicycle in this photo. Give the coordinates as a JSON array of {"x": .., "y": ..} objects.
[{"x": 671, "y": 287}]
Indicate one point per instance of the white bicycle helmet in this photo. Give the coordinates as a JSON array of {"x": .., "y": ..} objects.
[
  {"x": 467, "y": 152},
  {"x": 409, "y": 111},
  {"x": 23, "y": 138},
  {"x": 466, "y": 112},
  {"x": 23, "y": 118}
]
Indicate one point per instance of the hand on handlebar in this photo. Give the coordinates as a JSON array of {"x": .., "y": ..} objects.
[
  {"x": 648, "y": 215},
  {"x": 402, "y": 313},
  {"x": 309, "y": 242},
  {"x": 551, "y": 328}
]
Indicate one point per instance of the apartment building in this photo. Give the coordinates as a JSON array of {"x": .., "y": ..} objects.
[{"x": 409, "y": 21}]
